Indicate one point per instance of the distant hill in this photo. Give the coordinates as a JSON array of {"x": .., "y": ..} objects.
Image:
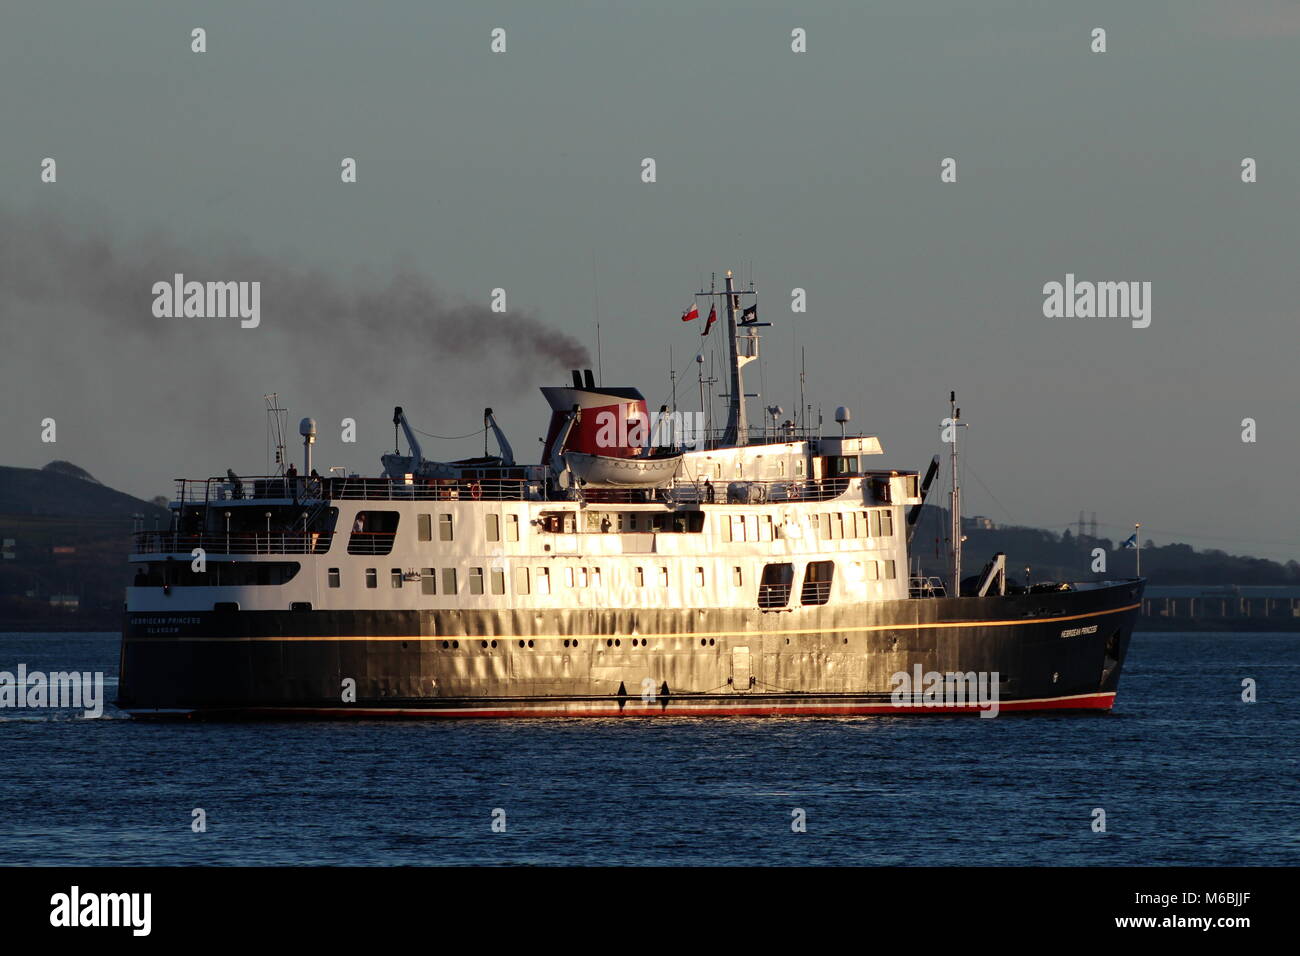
[
  {"x": 66, "y": 567},
  {"x": 63, "y": 489}
]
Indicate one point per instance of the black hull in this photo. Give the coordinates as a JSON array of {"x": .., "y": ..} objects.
[{"x": 1051, "y": 651}]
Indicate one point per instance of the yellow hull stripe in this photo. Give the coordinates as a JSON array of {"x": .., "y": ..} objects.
[{"x": 691, "y": 634}]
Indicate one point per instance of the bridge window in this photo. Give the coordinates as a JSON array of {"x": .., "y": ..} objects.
[
  {"x": 886, "y": 524},
  {"x": 444, "y": 527},
  {"x": 475, "y": 580},
  {"x": 817, "y": 579},
  {"x": 424, "y": 525},
  {"x": 396, "y": 577},
  {"x": 493, "y": 527},
  {"x": 774, "y": 587},
  {"x": 543, "y": 580},
  {"x": 333, "y": 577},
  {"x": 372, "y": 578},
  {"x": 889, "y": 570},
  {"x": 842, "y": 465},
  {"x": 521, "y": 581},
  {"x": 512, "y": 529},
  {"x": 497, "y": 580},
  {"x": 429, "y": 581}
]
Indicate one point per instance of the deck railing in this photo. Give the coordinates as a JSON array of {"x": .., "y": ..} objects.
[{"x": 258, "y": 542}]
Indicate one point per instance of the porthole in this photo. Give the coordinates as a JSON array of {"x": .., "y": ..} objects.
[
  {"x": 530, "y": 643},
  {"x": 455, "y": 643},
  {"x": 712, "y": 642},
  {"x": 483, "y": 643},
  {"x": 494, "y": 643},
  {"x": 521, "y": 643},
  {"x": 609, "y": 642},
  {"x": 446, "y": 644},
  {"x": 618, "y": 643},
  {"x": 703, "y": 642}
]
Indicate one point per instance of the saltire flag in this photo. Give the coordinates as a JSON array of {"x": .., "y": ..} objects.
[
  {"x": 750, "y": 314},
  {"x": 713, "y": 317},
  {"x": 692, "y": 313},
  {"x": 1132, "y": 541}
]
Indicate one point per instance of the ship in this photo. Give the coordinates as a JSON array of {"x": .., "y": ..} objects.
[{"x": 646, "y": 566}]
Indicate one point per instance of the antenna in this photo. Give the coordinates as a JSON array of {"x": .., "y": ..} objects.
[
  {"x": 955, "y": 422},
  {"x": 595, "y": 306}
]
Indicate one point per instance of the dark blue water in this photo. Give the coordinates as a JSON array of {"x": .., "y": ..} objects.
[{"x": 1186, "y": 774}]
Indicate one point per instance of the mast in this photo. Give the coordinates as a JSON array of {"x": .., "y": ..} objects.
[
  {"x": 742, "y": 347},
  {"x": 955, "y": 419}
]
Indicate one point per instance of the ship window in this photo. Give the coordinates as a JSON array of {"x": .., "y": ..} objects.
[
  {"x": 663, "y": 577},
  {"x": 751, "y": 527},
  {"x": 886, "y": 524},
  {"x": 595, "y": 577},
  {"x": 817, "y": 579},
  {"x": 874, "y": 531},
  {"x": 372, "y": 578},
  {"x": 497, "y": 581},
  {"x": 638, "y": 577},
  {"x": 737, "y": 577},
  {"x": 543, "y": 580},
  {"x": 837, "y": 525},
  {"x": 699, "y": 577},
  {"x": 824, "y": 525},
  {"x": 582, "y": 577},
  {"x": 397, "y": 577},
  {"x": 568, "y": 577},
  {"x": 334, "y": 577},
  {"x": 512, "y": 529},
  {"x": 889, "y": 570},
  {"x": 425, "y": 527},
  {"x": 493, "y": 527},
  {"x": 429, "y": 581},
  {"x": 475, "y": 580},
  {"x": 873, "y": 571},
  {"x": 765, "y": 528},
  {"x": 798, "y": 467},
  {"x": 444, "y": 527},
  {"x": 774, "y": 588},
  {"x": 521, "y": 581},
  {"x": 372, "y": 532},
  {"x": 724, "y": 523},
  {"x": 449, "y": 581},
  {"x": 912, "y": 486}
]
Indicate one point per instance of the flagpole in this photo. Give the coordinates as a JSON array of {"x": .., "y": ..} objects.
[{"x": 1137, "y": 530}]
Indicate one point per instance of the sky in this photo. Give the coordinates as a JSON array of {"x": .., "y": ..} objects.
[{"x": 522, "y": 170}]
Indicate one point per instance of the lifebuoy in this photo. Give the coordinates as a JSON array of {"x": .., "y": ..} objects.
[{"x": 475, "y": 491}]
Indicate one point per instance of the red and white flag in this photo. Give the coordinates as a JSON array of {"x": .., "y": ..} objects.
[
  {"x": 692, "y": 313},
  {"x": 713, "y": 317}
]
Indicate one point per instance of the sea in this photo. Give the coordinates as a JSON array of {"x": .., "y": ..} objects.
[{"x": 1183, "y": 772}]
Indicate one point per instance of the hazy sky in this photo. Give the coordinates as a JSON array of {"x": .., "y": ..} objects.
[{"x": 522, "y": 170}]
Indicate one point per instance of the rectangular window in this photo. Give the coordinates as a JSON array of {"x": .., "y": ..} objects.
[
  {"x": 886, "y": 524},
  {"x": 334, "y": 577},
  {"x": 765, "y": 528},
  {"x": 396, "y": 577},
  {"x": 911, "y": 485},
  {"x": 497, "y": 581},
  {"x": 428, "y": 581},
  {"x": 444, "y": 527},
  {"x": 372, "y": 578},
  {"x": 521, "y": 580},
  {"x": 725, "y": 524},
  {"x": 449, "y": 581},
  {"x": 817, "y": 579},
  {"x": 837, "y": 525},
  {"x": 512, "y": 529},
  {"x": 699, "y": 577},
  {"x": 582, "y": 577},
  {"x": 873, "y": 571},
  {"x": 663, "y": 577},
  {"x": 595, "y": 577},
  {"x": 774, "y": 587},
  {"x": 424, "y": 523},
  {"x": 475, "y": 580},
  {"x": 874, "y": 531},
  {"x": 493, "y": 527},
  {"x": 373, "y": 532},
  {"x": 543, "y": 580},
  {"x": 737, "y": 577},
  {"x": 824, "y": 526},
  {"x": 638, "y": 577},
  {"x": 568, "y": 577},
  {"x": 751, "y": 527},
  {"x": 889, "y": 570}
]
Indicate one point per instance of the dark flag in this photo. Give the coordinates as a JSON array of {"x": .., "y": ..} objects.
[
  {"x": 713, "y": 317},
  {"x": 750, "y": 314}
]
